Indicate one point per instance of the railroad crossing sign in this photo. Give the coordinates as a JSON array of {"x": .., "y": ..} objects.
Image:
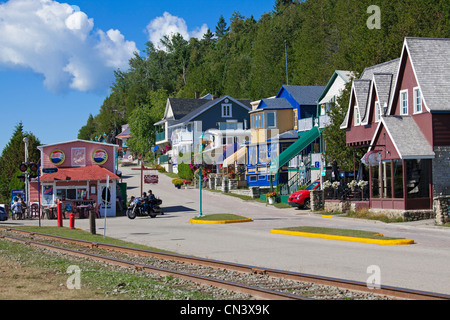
[{"x": 153, "y": 179}]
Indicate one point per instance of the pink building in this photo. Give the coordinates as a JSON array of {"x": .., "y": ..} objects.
[{"x": 82, "y": 168}]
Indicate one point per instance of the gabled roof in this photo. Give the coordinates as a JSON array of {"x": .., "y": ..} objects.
[
  {"x": 304, "y": 95},
  {"x": 431, "y": 64},
  {"x": 182, "y": 107},
  {"x": 345, "y": 75},
  {"x": 77, "y": 140},
  {"x": 125, "y": 133},
  {"x": 273, "y": 104},
  {"x": 362, "y": 88},
  {"x": 406, "y": 136},
  {"x": 209, "y": 104},
  {"x": 79, "y": 174}
]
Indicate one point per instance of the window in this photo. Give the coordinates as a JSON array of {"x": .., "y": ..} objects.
[
  {"x": 387, "y": 179},
  {"x": 271, "y": 120},
  {"x": 398, "y": 178},
  {"x": 357, "y": 116},
  {"x": 404, "y": 102},
  {"x": 418, "y": 178},
  {"x": 227, "y": 111},
  {"x": 71, "y": 193},
  {"x": 417, "y": 100},
  {"x": 252, "y": 155},
  {"x": 262, "y": 156},
  {"x": 257, "y": 121},
  {"x": 377, "y": 111},
  {"x": 376, "y": 187}
]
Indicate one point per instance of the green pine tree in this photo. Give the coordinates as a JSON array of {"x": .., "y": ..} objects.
[{"x": 12, "y": 156}]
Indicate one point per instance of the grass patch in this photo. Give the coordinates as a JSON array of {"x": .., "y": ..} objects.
[
  {"x": 84, "y": 235},
  {"x": 37, "y": 274},
  {"x": 340, "y": 232},
  {"x": 221, "y": 217},
  {"x": 366, "y": 214}
]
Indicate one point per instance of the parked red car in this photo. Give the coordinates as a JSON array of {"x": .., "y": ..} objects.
[{"x": 302, "y": 198}]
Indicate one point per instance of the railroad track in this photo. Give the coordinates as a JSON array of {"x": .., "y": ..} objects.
[{"x": 260, "y": 283}]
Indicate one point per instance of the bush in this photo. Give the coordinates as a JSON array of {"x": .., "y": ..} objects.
[{"x": 185, "y": 172}]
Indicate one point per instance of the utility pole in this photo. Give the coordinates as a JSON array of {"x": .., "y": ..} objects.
[
  {"x": 27, "y": 179},
  {"x": 287, "y": 71}
]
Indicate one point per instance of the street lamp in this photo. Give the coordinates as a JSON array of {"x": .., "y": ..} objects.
[{"x": 200, "y": 214}]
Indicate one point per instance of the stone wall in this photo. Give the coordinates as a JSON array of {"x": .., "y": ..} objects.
[
  {"x": 441, "y": 172},
  {"x": 441, "y": 206},
  {"x": 317, "y": 200}
]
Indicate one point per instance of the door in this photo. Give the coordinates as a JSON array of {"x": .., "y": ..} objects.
[{"x": 107, "y": 199}]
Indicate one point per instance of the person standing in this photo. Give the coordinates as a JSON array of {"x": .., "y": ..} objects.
[{"x": 16, "y": 209}]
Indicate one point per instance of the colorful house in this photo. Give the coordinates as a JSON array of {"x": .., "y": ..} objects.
[
  {"x": 400, "y": 112},
  {"x": 222, "y": 118},
  {"x": 76, "y": 172},
  {"x": 274, "y": 124}
]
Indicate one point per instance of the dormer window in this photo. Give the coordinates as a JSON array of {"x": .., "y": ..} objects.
[
  {"x": 357, "y": 116},
  {"x": 404, "y": 102},
  {"x": 377, "y": 111},
  {"x": 417, "y": 100}
]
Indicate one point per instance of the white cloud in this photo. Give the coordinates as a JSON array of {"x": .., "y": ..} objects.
[
  {"x": 170, "y": 25},
  {"x": 58, "y": 41}
]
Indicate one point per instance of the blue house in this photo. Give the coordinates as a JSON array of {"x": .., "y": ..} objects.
[
  {"x": 226, "y": 115},
  {"x": 274, "y": 128}
]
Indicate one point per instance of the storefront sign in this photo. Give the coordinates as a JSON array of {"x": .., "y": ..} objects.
[
  {"x": 57, "y": 157},
  {"x": 99, "y": 156},
  {"x": 151, "y": 179}
]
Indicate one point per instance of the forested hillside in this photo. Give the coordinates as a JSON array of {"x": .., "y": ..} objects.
[{"x": 245, "y": 58}]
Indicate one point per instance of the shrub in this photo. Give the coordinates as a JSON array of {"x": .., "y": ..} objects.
[{"x": 185, "y": 172}]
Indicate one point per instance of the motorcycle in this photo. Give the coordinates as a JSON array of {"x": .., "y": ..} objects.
[{"x": 141, "y": 208}]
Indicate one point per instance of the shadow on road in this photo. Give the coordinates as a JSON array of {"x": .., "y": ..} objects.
[{"x": 177, "y": 209}]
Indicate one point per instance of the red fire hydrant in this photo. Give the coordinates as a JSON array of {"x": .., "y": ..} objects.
[{"x": 71, "y": 221}]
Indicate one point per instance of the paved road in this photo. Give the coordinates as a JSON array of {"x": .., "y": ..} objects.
[{"x": 422, "y": 266}]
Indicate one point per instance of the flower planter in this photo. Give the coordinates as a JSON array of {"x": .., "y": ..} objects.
[{"x": 271, "y": 200}]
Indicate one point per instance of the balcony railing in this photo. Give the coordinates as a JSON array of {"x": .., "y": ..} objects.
[
  {"x": 160, "y": 136},
  {"x": 324, "y": 121},
  {"x": 305, "y": 124}
]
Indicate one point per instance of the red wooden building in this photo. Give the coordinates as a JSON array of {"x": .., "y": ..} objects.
[
  {"x": 81, "y": 176},
  {"x": 400, "y": 111}
]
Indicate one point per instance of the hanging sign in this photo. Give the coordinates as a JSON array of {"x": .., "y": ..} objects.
[
  {"x": 100, "y": 156},
  {"x": 151, "y": 179},
  {"x": 57, "y": 157}
]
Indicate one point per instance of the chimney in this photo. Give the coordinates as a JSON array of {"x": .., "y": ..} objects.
[{"x": 197, "y": 94}]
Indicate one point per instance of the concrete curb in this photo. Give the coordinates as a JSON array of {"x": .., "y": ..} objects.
[
  {"x": 193, "y": 220},
  {"x": 344, "y": 238}
]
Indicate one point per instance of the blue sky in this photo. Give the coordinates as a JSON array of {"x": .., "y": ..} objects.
[{"x": 57, "y": 58}]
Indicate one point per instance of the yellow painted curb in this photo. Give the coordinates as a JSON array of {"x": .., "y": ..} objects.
[
  {"x": 328, "y": 217},
  {"x": 192, "y": 220},
  {"x": 344, "y": 238}
]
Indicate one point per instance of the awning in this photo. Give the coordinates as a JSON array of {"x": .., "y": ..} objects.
[
  {"x": 79, "y": 174},
  {"x": 305, "y": 140}
]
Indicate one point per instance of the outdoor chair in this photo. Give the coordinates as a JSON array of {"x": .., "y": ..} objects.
[{"x": 34, "y": 210}]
